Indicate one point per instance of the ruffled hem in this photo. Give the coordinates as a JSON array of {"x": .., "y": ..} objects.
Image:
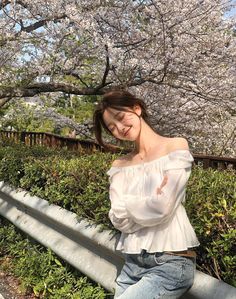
[{"x": 177, "y": 235}]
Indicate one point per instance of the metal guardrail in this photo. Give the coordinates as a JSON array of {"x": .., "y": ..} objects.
[{"x": 82, "y": 245}]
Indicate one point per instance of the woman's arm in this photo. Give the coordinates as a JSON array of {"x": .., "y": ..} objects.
[
  {"x": 159, "y": 207},
  {"x": 118, "y": 213},
  {"x": 125, "y": 225}
]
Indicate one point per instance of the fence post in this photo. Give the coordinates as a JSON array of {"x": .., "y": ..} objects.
[{"x": 22, "y": 137}]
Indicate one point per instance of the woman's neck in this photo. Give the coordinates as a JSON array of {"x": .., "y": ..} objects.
[{"x": 147, "y": 140}]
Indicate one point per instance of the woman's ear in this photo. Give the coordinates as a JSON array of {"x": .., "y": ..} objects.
[{"x": 137, "y": 109}]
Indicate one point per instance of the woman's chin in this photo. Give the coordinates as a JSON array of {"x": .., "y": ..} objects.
[{"x": 131, "y": 138}]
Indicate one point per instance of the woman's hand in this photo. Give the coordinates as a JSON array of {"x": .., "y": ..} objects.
[{"x": 163, "y": 183}]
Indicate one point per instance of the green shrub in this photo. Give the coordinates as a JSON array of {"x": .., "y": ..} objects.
[
  {"x": 78, "y": 184},
  {"x": 211, "y": 206},
  {"x": 11, "y": 166}
]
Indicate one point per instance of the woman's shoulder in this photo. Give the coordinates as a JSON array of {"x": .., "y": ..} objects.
[
  {"x": 179, "y": 155},
  {"x": 178, "y": 143},
  {"x": 171, "y": 144}
]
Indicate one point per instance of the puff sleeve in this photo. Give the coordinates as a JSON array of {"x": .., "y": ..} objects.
[
  {"x": 159, "y": 208},
  {"x": 118, "y": 213}
]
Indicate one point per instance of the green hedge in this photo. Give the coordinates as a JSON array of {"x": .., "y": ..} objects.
[
  {"x": 211, "y": 206},
  {"x": 80, "y": 184},
  {"x": 76, "y": 183}
]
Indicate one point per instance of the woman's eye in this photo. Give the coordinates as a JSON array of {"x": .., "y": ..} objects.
[
  {"x": 121, "y": 117},
  {"x": 111, "y": 129}
]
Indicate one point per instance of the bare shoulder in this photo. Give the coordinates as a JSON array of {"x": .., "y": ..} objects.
[{"x": 178, "y": 143}]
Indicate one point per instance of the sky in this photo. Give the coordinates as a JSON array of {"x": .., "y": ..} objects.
[{"x": 231, "y": 13}]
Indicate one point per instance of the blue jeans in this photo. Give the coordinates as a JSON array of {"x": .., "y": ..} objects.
[{"x": 155, "y": 276}]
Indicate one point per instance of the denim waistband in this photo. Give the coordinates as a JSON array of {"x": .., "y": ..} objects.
[{"x": 184, "y": 253}]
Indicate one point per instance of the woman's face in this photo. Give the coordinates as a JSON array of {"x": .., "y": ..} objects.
[{"x": 124, "y": 125}]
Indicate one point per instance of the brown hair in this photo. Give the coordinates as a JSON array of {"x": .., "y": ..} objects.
[{"x": 119, "y": 100}]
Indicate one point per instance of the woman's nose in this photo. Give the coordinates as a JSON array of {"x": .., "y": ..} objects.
[{"x": 120, "y": 127}]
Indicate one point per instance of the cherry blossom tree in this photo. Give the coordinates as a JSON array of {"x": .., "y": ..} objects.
[{"x": 178, "y": 55}]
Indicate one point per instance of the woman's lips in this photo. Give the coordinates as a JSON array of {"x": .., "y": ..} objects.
[{"x": 127, "y": 132}]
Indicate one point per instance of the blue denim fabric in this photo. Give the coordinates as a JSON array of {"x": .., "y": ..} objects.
[{"x": 155, "y": 276}]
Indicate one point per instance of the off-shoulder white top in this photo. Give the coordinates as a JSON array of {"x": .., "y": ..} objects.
[{"x": 147, "y": 220}]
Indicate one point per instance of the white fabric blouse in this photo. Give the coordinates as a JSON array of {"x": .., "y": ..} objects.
[{"x": 147, "y": 220}]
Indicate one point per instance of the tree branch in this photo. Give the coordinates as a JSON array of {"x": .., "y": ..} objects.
[
  {"x": 3, "y": 101},
  {"x": 75, "y": 75},
  {"x": 107, "y": 67},
  {"x": 4, "y": 3},
  {"x": 41, "y": 23},
  {"x": 37, "y": 88},
  {"x": 30, "y": 27}
]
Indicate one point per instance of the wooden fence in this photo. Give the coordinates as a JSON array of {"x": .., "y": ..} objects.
[
  {"x": 57, "y": 141},
  {"x": 215, "y": 162},
  {"x": 50, "y": 140}
]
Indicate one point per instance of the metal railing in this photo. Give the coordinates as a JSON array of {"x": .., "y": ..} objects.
[{"x": 82, "y": 245}]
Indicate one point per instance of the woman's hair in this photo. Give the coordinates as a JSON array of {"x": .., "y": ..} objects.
[{"x": 117, "y": 99}]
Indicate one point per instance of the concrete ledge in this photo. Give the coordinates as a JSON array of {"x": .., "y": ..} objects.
[{"x": 82, "y": 244}]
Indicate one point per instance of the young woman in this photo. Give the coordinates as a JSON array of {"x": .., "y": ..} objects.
[{"x": 147, "y": 189}]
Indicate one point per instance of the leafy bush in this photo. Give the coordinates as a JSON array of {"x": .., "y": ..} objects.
[
  {"x": 211, "y": 206},
  {"x": 77, "y": 184},
  {"x": 11, "y": 166},
  {"x": 80, "y": 184}
]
